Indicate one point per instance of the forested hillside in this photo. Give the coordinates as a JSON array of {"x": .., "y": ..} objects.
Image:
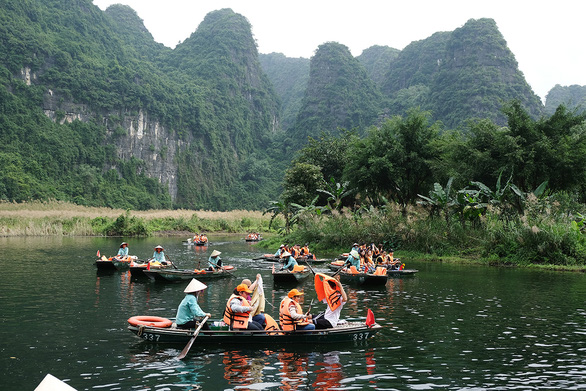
[
  {"x": 94, "y": 111},
  {"x": 339, "y": 95},
  {"x": 573, "y": 97}
]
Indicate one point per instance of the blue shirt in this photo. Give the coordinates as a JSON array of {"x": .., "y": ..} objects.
[
  {"x": 291, "y": 263},
  {"x": 123, "y": 252},
  {"x": 188, "y": 309},
  {"x": 353, "y": 261},
  {"x": 278, "y": 253},
  {"x": 159, "y": 257},
  {"x": 213, "y": 261}
]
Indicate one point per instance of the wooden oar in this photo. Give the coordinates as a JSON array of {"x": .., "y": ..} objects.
[
  {"x": 339, "y": 270},
  {"x": 172, "y": 264},
  {"x": 310, "y": 268},
  {"x": 188, "y": 346}
]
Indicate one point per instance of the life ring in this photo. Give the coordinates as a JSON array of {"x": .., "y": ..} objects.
[
  {"x": 229, "y": 267},
  {"x": 152, "y": 321}
]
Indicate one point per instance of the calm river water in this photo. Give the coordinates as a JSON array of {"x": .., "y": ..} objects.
[{"x": 449, "y": 327}]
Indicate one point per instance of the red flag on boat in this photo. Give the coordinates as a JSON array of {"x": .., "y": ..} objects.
[
  {"x": 98, "y": 254},
  {"x": 370, "y": 318},
  {"x": 149, "y": 265}
]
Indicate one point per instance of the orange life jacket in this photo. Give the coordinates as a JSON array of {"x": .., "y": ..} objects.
[
  {"x": 236, "y": 320},
  {"x": 287, "y": 322},
  {"x": 294, "y": 252},
  {"x": 324, "y": 290}
]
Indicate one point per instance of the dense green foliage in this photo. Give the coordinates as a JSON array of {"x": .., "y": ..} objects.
[
  {"x": 97, "y": 74},
  {"x": 289, "y": 77},
  {"x": 339, "y": 94},
  {"x": 573, "y": 97},
  {"x": 514, "y": 194}
]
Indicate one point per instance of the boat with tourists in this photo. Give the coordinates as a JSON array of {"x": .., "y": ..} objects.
[
  {"x": 178, "y": 275},
  {"x": 197, "y": 240},
  {"x": 161, "y": 330},
  {"x": 253, "y": 237},
  {"x": 380, "y": 277},
  {"x": 273, "y": 258}
]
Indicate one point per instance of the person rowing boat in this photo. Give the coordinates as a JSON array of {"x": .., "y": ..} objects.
[{"x": 189, "y": 313}]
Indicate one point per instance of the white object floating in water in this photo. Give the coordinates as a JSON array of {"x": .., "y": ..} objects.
[{"x": 51, "y": 383}]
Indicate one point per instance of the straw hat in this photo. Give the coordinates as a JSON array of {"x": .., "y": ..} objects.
[
  {"x": 215, "y": 253},
  {"x": 355, "y": 254},
  {"x": 286, "y": 254},
  {"x": 123, "y": 243},
  {"x": 195, "y": 286},
  {"x": 294, "y": 292},
  {"x": 159, "y": 247},
  {"x": 243, "y": 288}
]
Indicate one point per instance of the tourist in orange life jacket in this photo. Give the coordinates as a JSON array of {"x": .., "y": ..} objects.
[
  {"x": 260, "y": 318},
  {"x": 238, "y": 310},
  {"x": 305, "y": 252},
  {"x": 295, "y": 251},
  {"x": 291, "y": 315},
  {"x": 335, "y": 300}
]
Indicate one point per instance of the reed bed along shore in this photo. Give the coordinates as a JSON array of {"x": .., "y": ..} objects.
[{"x": 38, "y": 218}]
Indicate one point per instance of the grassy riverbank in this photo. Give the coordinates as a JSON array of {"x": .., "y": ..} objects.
[{"x": 61, "y": 218}]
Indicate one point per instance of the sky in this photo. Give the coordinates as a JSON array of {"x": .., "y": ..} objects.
[{"x": 546, "y": 38}]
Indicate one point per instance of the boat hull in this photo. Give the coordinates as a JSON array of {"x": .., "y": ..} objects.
[
  {"x": 362, "y": 279},
  {"x": 353, "y": 331},
  {"x": 286, "y": 277},
  {"x": 166, "y": 275}
]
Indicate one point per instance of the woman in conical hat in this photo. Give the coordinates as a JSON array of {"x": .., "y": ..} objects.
[
  {"x": 122, "y": 251},
  {"x": 215, "y": 261},
  {"x": 189, "y": 312},
  {"x": 159, "y": 254}
]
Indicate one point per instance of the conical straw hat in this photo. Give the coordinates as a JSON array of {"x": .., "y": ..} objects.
[
  {"x": 215, "y": 253},
  {"x": 195, "y": 286}
]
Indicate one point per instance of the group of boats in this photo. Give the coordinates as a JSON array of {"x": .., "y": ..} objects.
[{"x": 162, "y": 330}]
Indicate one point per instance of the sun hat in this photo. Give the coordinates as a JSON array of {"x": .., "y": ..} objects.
[
  {"x": 243, "y": 288},
  {"x": 215, "y": 253},
  {"x": 355, "y": 254},
  {"x": 281, "y": 246},
  {"x": 286, "y": 254},
  {"x": 294, "y": 292},
  {"x": 195, "y": 286},
  {"x": 123, "y": 243},
  {"x": 159, "y": 247}
]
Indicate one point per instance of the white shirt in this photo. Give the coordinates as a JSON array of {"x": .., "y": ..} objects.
[{"x": 333, "y": 316}]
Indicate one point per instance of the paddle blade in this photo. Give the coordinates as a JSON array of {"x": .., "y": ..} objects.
[
  {"x": 186, "y": 349},
  {"x": 370, "y": 318}
]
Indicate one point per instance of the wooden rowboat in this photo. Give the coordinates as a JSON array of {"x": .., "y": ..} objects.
[
  {"x": 366, "y": 279},
  {"x": 220, "y": 334},
  {"x": 288, "y": 277},
  {"x": 190, "y": 242},
  {"x": 172, "y": 275},
  {"x": 137, "y": 269},
  {"x": 272, "y": 258},
  {"x": 113, "y": 264}
]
